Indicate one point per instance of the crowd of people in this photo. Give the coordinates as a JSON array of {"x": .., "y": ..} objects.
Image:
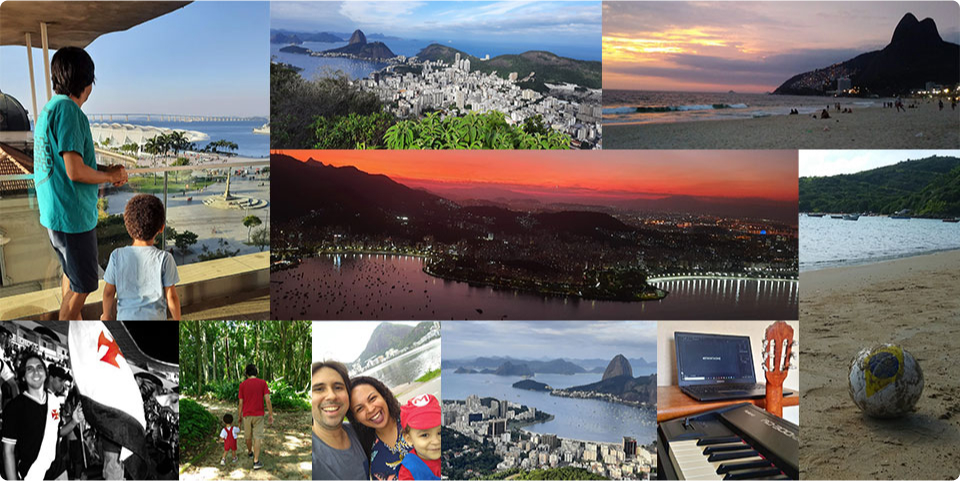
[{"x": 35, "y": 388}]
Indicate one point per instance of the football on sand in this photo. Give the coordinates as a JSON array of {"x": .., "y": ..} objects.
[{"x": 885, "y": 381}]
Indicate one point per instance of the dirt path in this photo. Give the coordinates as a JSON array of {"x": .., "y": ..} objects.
[{"x": 286, "y": 449}]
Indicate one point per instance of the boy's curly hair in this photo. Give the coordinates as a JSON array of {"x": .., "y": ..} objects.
[
  {"x": 144, "y": 216},
  {"x": 228, "y": 419}
]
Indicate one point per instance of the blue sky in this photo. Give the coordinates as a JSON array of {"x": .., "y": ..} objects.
[
  {"x": 550, "y": 339},
  {"x": 208, "y": 58},
  {"x": 823, "y": 163},
  {"x": 522, "y": 22}
]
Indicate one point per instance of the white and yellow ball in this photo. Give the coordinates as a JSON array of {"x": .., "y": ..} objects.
[{"x": 885, "y": 381}]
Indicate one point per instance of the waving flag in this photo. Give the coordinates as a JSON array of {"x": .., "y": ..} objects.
[{"x": 109, "y": 393}]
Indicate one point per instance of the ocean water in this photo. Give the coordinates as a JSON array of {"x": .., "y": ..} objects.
[
  {"x": 584, "y": 419},
  {"x": 389, "y": 287},
  {"x": 241, "y": 133},
  {"x": 408, "y": 367},
  {"x": 638, "y": 107},
  {"x": 827, "y": 242},
  {"x": 357, "y": 69}
]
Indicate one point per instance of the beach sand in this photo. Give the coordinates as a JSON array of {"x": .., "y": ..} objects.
[
  {"x": 914, "y": 302},
  {"x": 867, "y": 128}
]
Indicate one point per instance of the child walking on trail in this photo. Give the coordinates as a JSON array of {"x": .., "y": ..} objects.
[{"x": 229, "y": 435}]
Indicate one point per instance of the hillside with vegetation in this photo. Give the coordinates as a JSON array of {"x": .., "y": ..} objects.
[
  {"x": 547, "y": 67},
  {"x": 928, "y": 187}
]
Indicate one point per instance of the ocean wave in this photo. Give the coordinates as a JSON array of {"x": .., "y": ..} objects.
[
  {"x": 620, "y": 110},
  {"x": 671, "y": 108}
]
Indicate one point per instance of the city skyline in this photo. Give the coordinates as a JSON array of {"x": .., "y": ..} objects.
[
  {"x": 749, "y": 47},
  {"x": 567, "y": 339},
  {"x": 505, "y": 23},
  {"x": 207, "y": 58},
  {"x": 563, "y": 176}
]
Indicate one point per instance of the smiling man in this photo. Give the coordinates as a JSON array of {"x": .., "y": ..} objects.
[{"x": 337, "y": 453}]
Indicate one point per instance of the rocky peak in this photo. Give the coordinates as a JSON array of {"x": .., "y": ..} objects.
[
  {"x": 359, "y": 37},
  {"x": 618, "y": 366},
  {"x": 916, "y": 33}
]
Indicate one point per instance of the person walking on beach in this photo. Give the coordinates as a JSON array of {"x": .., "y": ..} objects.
[
  {"x": 941, "y": 105},
  {"x": 66, "y": 176},
  {"x": 254, "y": 393},
  {"x": 899, "y": 105}
]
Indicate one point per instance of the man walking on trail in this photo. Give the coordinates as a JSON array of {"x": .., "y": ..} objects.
[{"x": 254, "y": 392}]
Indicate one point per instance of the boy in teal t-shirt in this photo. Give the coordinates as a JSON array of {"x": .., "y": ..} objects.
[{"x": 66, "y": 175}]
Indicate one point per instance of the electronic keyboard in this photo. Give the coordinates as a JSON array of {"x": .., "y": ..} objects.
[{"x": 740, "y": 441}]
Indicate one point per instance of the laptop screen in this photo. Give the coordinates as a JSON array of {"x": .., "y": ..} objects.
[{"x": 713, "y": 358}]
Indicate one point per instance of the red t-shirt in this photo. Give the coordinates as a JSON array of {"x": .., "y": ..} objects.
[
  {"x": 251, "y": 392},
  {"x": 405, "y": 473}
]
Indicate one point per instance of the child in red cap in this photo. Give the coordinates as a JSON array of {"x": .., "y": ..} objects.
[{"x": 420, "y": 419}]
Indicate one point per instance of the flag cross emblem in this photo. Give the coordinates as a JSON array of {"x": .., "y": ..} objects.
[
  {"x": 55, "y": 414},
  {"x": 113, "y": 350}
]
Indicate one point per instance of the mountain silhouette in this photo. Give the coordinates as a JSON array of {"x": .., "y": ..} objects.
[{"x": 915, "y": 55}]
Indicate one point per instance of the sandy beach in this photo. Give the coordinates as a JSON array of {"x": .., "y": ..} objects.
[
  {"x": 869, "y": 128},
  {"x": 914, "y": 302}
]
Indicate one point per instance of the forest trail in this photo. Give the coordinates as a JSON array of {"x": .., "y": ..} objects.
[{"x": 287, "y": 449}]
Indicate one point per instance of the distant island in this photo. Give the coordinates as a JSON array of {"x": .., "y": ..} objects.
[
  {"x": 297, "y": 38},
  {"x": 617, "y": 385},
  {"x": 531, "y": 385},
  {"x": 928, "y": 187},
  {"x": 915, "y": 56},
  {"x": 359, "y": 48}
]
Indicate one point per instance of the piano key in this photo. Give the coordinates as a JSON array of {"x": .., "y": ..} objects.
[
  {"x": 753, "y": 473},
  {"x": 727, "y": 467},
  {"x": 692, "y": 463},
  {"x": 719, "y": 440},
  {"x": 745, "y": 453},
  {"x": 724, "y": 447}
]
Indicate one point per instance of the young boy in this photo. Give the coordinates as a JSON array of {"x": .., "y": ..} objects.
[
  {"x": 66, "y": 176},
  {"x": 141, "y": 279},
  {"x": 229, "y": 435},
  {"x": 420, "y": 419}
]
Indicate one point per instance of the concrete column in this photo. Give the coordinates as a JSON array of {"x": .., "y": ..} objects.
[
  {"x": 33, "y": 84},
  {"x": 46, "y": 58}
]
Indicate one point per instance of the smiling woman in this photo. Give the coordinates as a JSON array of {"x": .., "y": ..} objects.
[{"x": 375, "y": 412}]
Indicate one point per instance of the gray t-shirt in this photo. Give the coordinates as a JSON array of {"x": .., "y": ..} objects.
[{"x": 330, "y": 463}]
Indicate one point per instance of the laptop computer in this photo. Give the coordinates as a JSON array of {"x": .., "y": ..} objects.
[{"x": 712, "y": 367}]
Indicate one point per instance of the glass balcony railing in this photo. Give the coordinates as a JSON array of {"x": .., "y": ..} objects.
[{"x": 213, "y": 211}]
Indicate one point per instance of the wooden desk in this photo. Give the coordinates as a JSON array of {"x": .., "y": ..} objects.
[{"x": 673, "y": 403}]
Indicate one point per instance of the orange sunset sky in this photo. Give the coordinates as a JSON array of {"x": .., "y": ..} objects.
[{"x": 604, "y": 174}]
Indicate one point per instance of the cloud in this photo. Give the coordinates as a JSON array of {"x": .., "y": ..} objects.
[
  {"x": 550, "y": 21},
  {"x": 552, "y": 339},
  {"x": 771, "y": 71}
]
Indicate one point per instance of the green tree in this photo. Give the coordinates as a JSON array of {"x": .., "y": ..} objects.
[
  {"x": 183, "y": 241},
  {"x": 472, "y": 131},
  {"x": 250, "y": 222},
  {"x": 181, "y": 161},
  {"x": 261, "y": 238},
  {"x": 102, "y": 205}
]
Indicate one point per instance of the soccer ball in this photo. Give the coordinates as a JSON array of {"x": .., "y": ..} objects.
[{"x": 886, "y": 381}]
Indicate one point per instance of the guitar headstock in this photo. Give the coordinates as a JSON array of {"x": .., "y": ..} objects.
[{"x": 779, "y": 352}]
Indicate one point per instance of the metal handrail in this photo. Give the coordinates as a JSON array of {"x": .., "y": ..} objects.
[{"x": 251, "y": 163}]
